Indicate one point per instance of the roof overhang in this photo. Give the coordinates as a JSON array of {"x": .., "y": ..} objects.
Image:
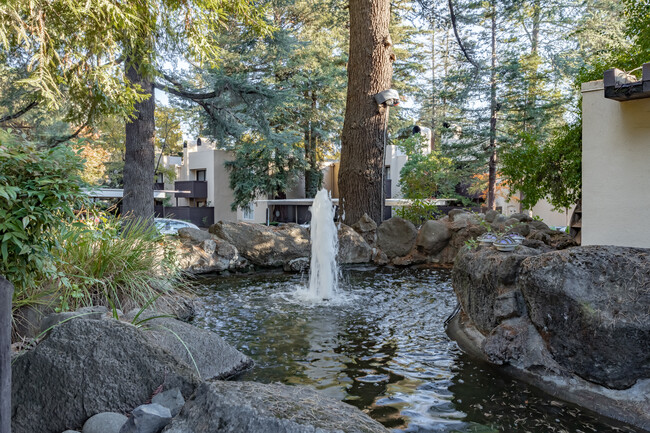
[{"x": 621, "y": 86}]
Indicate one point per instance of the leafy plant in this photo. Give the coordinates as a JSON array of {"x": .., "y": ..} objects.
[
  {"x": 39, "y": 189},
  {"x": 100, "y": 262},
  {"x": 419, "y": 212}
]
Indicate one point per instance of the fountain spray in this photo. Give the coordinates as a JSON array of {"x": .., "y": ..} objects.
[{"x": 323, "y": 272}]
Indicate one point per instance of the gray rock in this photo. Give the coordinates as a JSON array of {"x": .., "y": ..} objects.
[
  {"x": 516, "y": 342},
  {"x": 300, "y": 264},
  {"x": 172, "y": 399},
  {"x": 105, "y": 422},
  {"x": 538, "y": 225},
  {"x": 54, "y": 319},
  {"x": 491, "y": 215},
  {"x": 455, "y": 213},
  {"x": 208, "y": 255},
  {"x": 432, "y": 237},
  {"x": 194, "y": 235},
  {"x": 249, "y": 407},
  {"x": 463, "y": 220},
  {"x": 593, "y": 306},
  {"x": 97, "y": 312},
  {"x": 396, "y": 236},
  {"x": 508, "y": 305},
  {"x": 511, "y": 222},
  {"x": 84, "y": 367},
  {"x": 148, "y": 418},
  {"x": 352, "y": 247},
  {"x": 481, "y": 275},
  {"x": 521, "y": 217},
  {"x": 265, "y": 246},
  {"x": 367, "y": 228},
  {"x": 457, "y": 242},
  {"x": 500, "y": 219},
  {"x": 214, "y": 358},
  {"x": 522, "y": 229}
]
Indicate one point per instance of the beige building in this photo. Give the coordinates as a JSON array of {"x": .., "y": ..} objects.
[{"x": 615, "y": 168}]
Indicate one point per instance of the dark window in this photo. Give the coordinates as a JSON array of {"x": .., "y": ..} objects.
[
  {"x": 200, "y": 174},
  {"x": 198, "y": 141}
]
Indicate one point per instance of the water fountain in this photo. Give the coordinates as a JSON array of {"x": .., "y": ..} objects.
[{"x": 323, "y": 273}]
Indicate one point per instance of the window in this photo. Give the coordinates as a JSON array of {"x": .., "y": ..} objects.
[
  {"x": 200, "y": 175},
  {"x": 249, "y": 212},
  {"x": 387, "y": 172},
  {"x": 160, "y": 178}
]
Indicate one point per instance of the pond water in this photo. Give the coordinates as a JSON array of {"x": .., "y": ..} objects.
[{"x": 380, "y": 346}]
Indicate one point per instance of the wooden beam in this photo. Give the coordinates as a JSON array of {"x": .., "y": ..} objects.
[{"x": 6, "y": 295}]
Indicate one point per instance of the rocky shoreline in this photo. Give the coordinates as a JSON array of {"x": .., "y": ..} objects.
[{"x": 575, "y": 322}]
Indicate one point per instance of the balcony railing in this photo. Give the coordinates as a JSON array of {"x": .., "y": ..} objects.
[{"x": 195, "y": 188}]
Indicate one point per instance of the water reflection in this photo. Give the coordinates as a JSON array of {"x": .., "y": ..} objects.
[{"x": 383, "y": 350}]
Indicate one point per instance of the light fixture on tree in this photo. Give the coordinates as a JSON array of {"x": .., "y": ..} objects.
[{"x": 388, "y": 97}]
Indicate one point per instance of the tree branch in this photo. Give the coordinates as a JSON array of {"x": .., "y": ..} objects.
[
  {"x": 460, "y": 42},
  {"x": 58, "y": 140},
  {"x": 19, "y": 113}
]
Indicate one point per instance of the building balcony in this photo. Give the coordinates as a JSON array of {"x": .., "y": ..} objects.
[{"x": 192, "y": 189}]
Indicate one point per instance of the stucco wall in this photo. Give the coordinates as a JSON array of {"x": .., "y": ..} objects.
[{"x": 615, "y": 169}]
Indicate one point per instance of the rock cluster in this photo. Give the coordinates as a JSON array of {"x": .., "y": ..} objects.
[
  {"x": 234, "y": 246},
  {"x": 101, "y": 375},
  {"x": 575, "y": 322}
]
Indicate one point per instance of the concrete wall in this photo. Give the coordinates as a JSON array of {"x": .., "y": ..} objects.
[{"x": 615, "y": 169}]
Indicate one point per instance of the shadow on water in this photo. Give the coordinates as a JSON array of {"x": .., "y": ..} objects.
[{"x": 381, "y": 348}]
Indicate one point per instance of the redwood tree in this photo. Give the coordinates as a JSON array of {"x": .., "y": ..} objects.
[{"x": 370, "y": 69}]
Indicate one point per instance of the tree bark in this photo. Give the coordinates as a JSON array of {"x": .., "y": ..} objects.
[
  {"x": 433, "y": 85},
  {"x": 139, "y": 159},
  {"x": 492, "y": 176},
  {"x": 6, "y": 295},
  {"x": 370, "y": 71}
]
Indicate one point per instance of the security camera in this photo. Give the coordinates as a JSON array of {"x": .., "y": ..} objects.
[{"x": 389, "y": 97}]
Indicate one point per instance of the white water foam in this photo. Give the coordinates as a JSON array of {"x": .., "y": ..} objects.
[{"x": 323, "y": 271}]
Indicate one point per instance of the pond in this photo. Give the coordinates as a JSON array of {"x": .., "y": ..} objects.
[{"x": 381, "y": 346}]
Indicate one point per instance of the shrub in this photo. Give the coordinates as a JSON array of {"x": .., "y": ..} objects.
[
  {"x": 39, "y": 187},
  {"x": 419, "y": 212},
  {"x": 101, "y": 263}
]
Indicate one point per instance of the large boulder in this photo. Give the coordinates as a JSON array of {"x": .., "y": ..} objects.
[
  {"x": 396, "y": 236},
  {"x": 249, "y": 407},
  {"x": 481, "y": 275},
  {"x": 265, "y": 246},
  {"x": 200, "y": 252},
  {"x": 592, "y": 304},
  {"x": 352, "y": 247},
  {"x": 432, "y": 237},
  {"x": 573, "y": 322},
  {"x": 84, "y": 367},
  {"x": 199, "y": 349}
]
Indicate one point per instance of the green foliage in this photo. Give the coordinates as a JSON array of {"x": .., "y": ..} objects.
[
  {"x": 39, "y": 188},
  {"x": 426, "y": 175},
  {"x": 419, "y": 212},
  {"x": 100, "y": 262},
  {"x": 552, "y": 171},
  {"x": 262, "y": 167}
]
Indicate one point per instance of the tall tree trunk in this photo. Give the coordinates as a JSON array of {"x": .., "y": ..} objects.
[
  {"x": 433, "y": 84},
  {"x": 139, "y": 151},
  {"x": 370, "y": 70},
  {"x": 492, "y": 176}
]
